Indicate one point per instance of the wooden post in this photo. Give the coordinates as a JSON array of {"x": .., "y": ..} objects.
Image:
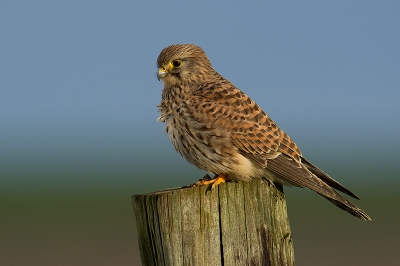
[{"x": 241, "y": 223}]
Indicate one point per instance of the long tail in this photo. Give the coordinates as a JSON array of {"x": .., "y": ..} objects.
[
  {"x": 349, "y": 207},
  {"x": 307, "y": 175},
  {"x": 336, "y": 198}
]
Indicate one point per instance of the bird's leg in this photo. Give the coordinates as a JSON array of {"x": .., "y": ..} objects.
[
  {"x": 218, "y": 179},
  {"x": 214, "y": 182}
]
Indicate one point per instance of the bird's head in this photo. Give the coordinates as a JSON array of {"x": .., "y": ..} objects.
[{"x": 180, "y": 64}]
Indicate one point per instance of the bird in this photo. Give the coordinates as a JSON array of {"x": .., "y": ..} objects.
[{"x": 218, "y": 128}]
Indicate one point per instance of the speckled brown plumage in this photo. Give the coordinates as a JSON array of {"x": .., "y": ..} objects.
[{"x": 218, "y": 128}]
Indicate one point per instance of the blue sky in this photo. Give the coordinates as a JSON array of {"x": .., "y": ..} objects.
[{"x": 79, "y": 87}]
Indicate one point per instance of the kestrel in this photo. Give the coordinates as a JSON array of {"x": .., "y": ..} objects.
[{"x": 218, "y": 128}]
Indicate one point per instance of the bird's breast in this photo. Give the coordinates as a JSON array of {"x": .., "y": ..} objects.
[
  {"x": 204, "y": 143},
  {"x": 201, "y": 143}
]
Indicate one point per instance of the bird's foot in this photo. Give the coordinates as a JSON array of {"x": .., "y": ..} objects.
[{"x": 212, "y": 182}]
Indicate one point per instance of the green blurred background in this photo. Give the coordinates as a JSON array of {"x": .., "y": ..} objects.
[{"x": 79, "y": 137}]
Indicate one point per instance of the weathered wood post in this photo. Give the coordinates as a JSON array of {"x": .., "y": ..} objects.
[{"x": 241, "y": 223}]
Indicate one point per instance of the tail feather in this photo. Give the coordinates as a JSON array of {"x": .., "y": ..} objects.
[
  {"x": 327, "y": 179},
  {"x": 305, "y": 174},
  {"x": 349, "y": 207}
]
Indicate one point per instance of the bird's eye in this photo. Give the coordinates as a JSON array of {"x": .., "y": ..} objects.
[{"x": 176, "y": 63}]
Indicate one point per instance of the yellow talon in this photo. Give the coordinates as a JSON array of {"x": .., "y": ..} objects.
[{"x": 218, "y": 179}]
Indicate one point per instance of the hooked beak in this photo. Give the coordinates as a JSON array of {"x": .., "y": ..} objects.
[{"x": 162, "y": 72}]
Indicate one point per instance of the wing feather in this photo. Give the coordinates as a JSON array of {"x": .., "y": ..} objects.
[{"x": 258, "y": 138}]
